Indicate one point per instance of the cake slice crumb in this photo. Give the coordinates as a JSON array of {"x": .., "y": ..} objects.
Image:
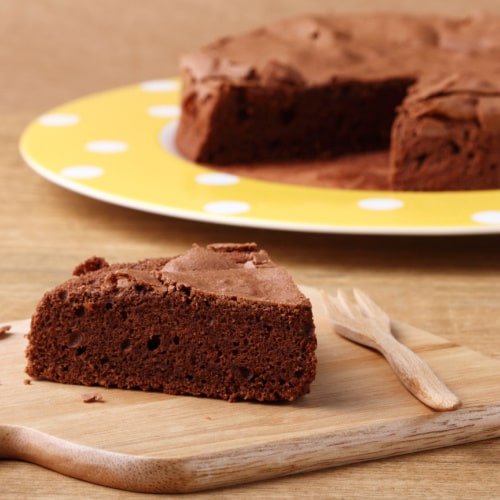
[
  {"x": 92, "y": 397},
  {"x": 3, "y": 330}
]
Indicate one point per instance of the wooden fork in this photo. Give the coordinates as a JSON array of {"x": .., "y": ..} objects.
[{"x": 362, "y": 321}]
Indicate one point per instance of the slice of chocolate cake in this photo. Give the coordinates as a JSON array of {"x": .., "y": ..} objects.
[{"x": 222, "y": 321}]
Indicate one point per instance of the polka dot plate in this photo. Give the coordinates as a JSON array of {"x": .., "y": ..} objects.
[{"x": 117, "y": 146}]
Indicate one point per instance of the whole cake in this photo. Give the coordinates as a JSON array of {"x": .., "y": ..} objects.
[
  {"x": 222, "y": 321},
  {"x": 322, "y": 86}
]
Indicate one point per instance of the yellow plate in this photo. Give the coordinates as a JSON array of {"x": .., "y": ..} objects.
[{"x": 117, "y": 146}]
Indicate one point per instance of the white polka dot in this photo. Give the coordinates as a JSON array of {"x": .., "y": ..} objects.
[
  {"x": 217, "y": 179},
  {"x": 106, "y": 146},
  {"x": 164, "y": 111},
  {"x": 227, "y": 207},
  {"x": 160, "y": 86},
  {"x": 487, "y": 217},
  {"x": 58, "y": 119},
  {"x": 167, "y": 138},
  {"x": 82, "y": 172},
  {"x": 380, "y": 204}
]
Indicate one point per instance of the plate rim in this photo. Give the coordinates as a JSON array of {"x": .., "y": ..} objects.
[{"x": 236, "y": 220}]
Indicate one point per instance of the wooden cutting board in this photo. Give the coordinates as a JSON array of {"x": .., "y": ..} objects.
[{"x": 356, "y": 411}]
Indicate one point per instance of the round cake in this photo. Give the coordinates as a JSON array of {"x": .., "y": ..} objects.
[{"x": 315, "y": 87}]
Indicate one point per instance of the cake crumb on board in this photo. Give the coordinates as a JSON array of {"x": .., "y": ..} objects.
[
  {"x": 3, "y": 330},
  {"x": 92, "y": 397}
]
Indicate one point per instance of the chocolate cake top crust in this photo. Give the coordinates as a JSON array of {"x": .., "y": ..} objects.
[
  {"x": 439, "y": 102},
  {"x": 255, "y": 278},
  {"x": 237, "y": 270},
  {"x": 226, "y": 269},
  {"x": 462, "y": 95},
  {"x": 316, "y": 50}
]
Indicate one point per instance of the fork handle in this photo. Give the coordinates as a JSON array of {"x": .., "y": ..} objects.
[{"x": 417, "y": 376}]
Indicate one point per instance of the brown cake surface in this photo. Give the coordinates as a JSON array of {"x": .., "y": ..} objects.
[
  {"x": 447, "y": 134},
  {"x": 321, "y": 86},
  {"x": 222, "y": 321}
]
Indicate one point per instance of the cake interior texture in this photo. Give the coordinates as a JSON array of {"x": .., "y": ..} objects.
[
  {"x": 222, "y": 321},
  {"x": 319, "y": 86},
  {"x": 276, "y": 123}
]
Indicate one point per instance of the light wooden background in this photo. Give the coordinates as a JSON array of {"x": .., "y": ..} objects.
[{"x": 52, "y": 51}]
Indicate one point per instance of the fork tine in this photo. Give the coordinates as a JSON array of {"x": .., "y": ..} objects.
[
  {"x": 338, "y": 314},
  {"x": 368, "y": 306},
  {"x": 345, "y": 304},
  {"x": 331, "y": 305}
]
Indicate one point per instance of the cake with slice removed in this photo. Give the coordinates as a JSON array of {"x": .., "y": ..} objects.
[
  {"x": 222, "y": 321},
  {"x": 314, "y": 87}
]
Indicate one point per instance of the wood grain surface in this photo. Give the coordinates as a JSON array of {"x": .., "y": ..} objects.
[
  {"x": 56, "y": 50},
  {"x": 357, "y": 411}
]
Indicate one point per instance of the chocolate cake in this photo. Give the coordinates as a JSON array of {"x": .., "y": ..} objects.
[
  {"x": 321, "y": 86},
  {"x": 222, "y": 321},
  {"x": 447, "y": 135}
]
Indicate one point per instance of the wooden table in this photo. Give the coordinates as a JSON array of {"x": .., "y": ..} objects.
[{"x": 56, "y": 50}]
